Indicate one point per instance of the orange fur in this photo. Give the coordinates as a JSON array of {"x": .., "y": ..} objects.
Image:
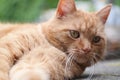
[{"x": 47, "y": 51}]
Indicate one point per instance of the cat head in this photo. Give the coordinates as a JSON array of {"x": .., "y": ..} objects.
[{"x": 79, "y": 34}]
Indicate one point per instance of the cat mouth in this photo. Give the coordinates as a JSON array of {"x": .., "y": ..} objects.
[
  {"x": 74, "y": 60},
  {"x": 80, "y": 58}
]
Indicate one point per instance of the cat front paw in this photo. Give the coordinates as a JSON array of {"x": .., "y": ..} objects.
[{"x": 27, "y": 74}]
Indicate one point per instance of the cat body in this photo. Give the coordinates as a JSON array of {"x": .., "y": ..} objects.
[
  {"x": 14, "y": 44},
  {"x": 21, "y": 42},
  {"x": 58, "y": 49}
]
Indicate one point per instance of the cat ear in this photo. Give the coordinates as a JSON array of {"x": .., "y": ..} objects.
[
  {"x": 104, "y": 13},
  {"x": 65, "y": 7}
]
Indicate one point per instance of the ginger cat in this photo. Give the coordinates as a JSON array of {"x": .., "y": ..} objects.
[{"x": 58, "y": 49}]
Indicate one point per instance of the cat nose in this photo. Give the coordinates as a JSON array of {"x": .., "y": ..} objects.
[{"x": 87, "y": 50}]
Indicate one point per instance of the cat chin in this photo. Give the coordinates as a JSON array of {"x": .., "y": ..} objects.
[{"x": 83, "y": 61}]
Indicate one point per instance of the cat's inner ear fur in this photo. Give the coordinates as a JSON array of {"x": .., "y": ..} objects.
[
  {"x": 65, "y": 7},
  {"x": 104, "y": 13}
]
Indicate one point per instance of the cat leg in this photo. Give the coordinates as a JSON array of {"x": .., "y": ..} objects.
[{"x": 26, "y": 72}]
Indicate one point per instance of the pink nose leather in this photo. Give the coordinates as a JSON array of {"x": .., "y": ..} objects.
[{"x": 87, "y": 50}]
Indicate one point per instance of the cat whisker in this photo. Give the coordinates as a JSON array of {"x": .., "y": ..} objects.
[
  {"x": 98, "y": 56},
  {"x": 68, "y": 63},
  {"x": 92, "y": 73},
  {"x": 69, "y": 59},
  {"x": 95, "y": 59}
]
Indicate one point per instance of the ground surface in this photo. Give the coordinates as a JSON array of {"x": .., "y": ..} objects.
[{"x": 104, "y": 70}]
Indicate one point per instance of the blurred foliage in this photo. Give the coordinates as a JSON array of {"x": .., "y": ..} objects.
[
  {"x": 117, "y": 2},
  {"x": 23, "y": 10},
  {"x": 27, "y": 10},
  {"x": 50, "y": 3}
]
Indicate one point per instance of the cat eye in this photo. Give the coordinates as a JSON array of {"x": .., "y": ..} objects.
[
  {"x": 96, "y": 39},
  {"x": 74, "y": 34}
]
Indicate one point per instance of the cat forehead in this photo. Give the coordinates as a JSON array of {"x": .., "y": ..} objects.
[
  {"x": 83, "y": 20},
  {"x": 79, "y": 20}
]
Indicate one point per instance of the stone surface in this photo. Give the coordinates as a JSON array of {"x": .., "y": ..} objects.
[{"x": 105, "y": 70}]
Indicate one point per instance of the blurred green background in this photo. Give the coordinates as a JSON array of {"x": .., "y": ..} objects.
[
  {"x": 27, "y": 10},
  {"x": 23, "y": 10}
]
